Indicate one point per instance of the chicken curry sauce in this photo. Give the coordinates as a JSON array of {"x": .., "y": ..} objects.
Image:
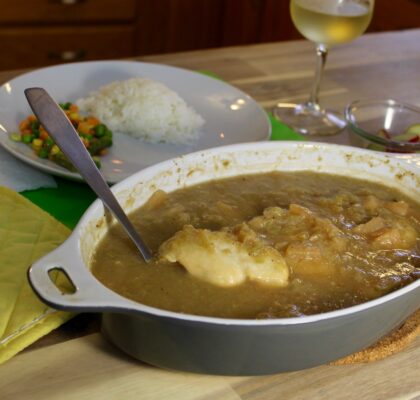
[{"x": 269, "y": 245}]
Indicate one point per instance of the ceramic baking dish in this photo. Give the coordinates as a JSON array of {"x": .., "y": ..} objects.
[{"x": 228, "y": 346}]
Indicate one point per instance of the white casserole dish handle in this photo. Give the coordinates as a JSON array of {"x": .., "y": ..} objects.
[{"x": 83, "y": 292}]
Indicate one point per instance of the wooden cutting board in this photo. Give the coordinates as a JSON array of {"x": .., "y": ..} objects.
[{"x": 90, "y": 368}]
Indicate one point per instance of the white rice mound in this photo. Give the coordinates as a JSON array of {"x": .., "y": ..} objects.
[{"x": 144, "y": 109}]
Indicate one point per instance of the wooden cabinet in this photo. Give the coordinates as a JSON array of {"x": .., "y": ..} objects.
[
  {"x": 34, "y": 33},
  {"x": 42, "y": 32},
  {"x": 29, "y": 47},
  {"x": 62, "y": 11},
  {"x": 256, "y": 21}
]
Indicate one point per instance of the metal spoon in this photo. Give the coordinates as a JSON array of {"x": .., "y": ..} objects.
[{"x": 59, "y": 127}]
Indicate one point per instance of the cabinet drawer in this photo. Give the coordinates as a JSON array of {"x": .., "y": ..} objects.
[
  {"x": 34, "y": 11},
  {"x": 33, "y": 47}
]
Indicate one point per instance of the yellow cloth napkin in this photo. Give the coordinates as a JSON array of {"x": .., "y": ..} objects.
[{"x": 26, "y": 234}]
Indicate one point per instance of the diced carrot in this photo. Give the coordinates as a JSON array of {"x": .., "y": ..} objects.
[
  {"x": 31, "y": 118},
  {"x": 93, "y": 121},
  {"x": 84, "y": 128},
  {"x": 43, "y": 134},
  {"x": 26, "y": 132},
  {"x": 73, "y": 108},
  {"x": 74, "y": 116},
  {"x": 103, "y": 152},
  {"x": 24, "y": 124}
]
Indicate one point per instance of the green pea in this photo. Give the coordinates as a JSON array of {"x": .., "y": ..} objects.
[
  {"x": 65, "y": 106},
  {"x": 100, "y": 130},
  {"x": 35, "y": 125},
  {"x": 85, "y": 136},
  {"x": 49, "y": 141},
  {"x": 27, "y": 138},
  {"x": 43, "y": 153}
]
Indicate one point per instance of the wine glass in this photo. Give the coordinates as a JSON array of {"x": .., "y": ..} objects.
[{"x": 327, "y": 23}]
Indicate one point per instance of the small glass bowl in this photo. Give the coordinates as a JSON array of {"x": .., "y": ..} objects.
[{"x": 393, "y": 125}]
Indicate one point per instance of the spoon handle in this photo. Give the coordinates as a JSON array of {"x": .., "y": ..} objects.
[{"x": 58, "y": 126}]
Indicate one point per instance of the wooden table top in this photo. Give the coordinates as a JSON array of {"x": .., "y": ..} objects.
[{"x": 75, "y": 362}]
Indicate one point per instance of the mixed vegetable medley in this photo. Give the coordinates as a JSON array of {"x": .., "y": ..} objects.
[
  {"x": 95, "y": 136},
  {"x": 411, "y": 135}
]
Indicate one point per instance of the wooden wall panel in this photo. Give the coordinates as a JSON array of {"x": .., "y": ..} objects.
[
  {"x": 178, "y": 25},
  {"x": 255, "y": 21}
]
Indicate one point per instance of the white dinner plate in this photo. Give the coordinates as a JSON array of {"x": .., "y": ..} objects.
[{"x": 231, "y": 115}]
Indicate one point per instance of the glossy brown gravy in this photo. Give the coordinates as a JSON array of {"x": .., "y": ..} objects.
[{"x": 345, "y": 241}]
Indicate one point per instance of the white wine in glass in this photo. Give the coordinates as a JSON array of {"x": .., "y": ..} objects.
[{"x": 327, "y": 23}]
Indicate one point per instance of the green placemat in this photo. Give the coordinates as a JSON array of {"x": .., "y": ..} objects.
[
  {"x": 70, "y": 199},
  {"x": 280, "y": 131},
  {"x": 66, "y": 203}
]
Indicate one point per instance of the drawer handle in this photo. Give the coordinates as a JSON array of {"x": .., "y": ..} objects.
[
  {"x": 67, "y": 2},
  {"x": 67, "y": 55}
]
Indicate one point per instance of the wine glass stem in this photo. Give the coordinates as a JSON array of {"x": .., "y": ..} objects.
[{"x": 321, "y": 59}]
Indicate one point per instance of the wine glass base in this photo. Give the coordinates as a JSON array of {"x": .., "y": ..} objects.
[{"x": 308, "y": 119}]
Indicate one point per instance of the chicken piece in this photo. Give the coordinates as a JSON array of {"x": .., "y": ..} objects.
[
  {"x": 399, "y": 236},
  {"x": 221, "y": 258},
  {"x": 311, "y": 244},
  {"x": 372, "y": 228},
  {"x": 296, "y": 209},
  {"x": 388, "y": 234},
  {"x": 398, "y": 207},
  {"x": 371, "y": 203},
  {"x": 306, "y": 260},
  {"x": 388, "y": 239},
  {"x": 331, "y": 234},
  {"x": 269, "y": 224},
  {"x": 300, "y": 224}
]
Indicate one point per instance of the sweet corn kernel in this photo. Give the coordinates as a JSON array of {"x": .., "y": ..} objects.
[
  {"x": 74, "y": 116},
  {"x": 54, "y": 150},
  {"x": 36, "y": 144}
]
